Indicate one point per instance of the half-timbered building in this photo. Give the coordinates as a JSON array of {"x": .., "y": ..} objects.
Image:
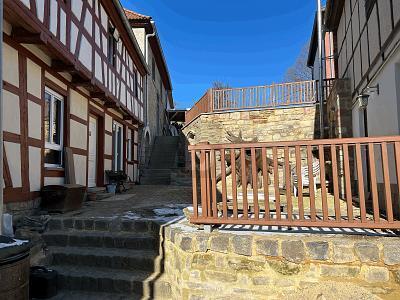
[{"x": 73, "y": 78}]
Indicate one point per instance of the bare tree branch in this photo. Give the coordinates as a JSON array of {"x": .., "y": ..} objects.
[{"x": 299, "y": 71}]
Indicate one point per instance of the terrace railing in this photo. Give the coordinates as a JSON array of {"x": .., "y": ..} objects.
[
  {"x": 268, "y": 96},
  {"x": 351, "y": 183}
]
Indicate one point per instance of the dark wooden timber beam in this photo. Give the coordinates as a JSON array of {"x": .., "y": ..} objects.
[
  {"x": 23, "y": 36},
  {"x": 60, "y": 66}
]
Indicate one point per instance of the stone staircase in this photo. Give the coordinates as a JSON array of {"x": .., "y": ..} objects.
[
  {"x": 164, "y": 158},
  {"x": 106, "y": 258}
]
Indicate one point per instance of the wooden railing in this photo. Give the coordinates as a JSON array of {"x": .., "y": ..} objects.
[
  {"x": 200, "y": 107},
  {"x": 268, "y": 96},
  {"x": 274, "y": 95},
  {"x": 351, "y": 182}
]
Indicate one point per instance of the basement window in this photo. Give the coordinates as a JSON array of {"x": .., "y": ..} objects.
[{"x": 53, "y": 128}]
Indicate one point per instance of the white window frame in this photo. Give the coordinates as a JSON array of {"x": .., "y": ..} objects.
[{"x": 50, "y": 145}]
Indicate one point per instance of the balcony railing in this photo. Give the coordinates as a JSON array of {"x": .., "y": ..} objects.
[
  {"x": 338, "y": 183},
  {"x": 257, "y": 97}
]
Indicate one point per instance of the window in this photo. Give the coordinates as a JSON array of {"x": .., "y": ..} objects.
[
  {"x": 369, "y": 5},
  {"x": 135, "y": 85},
  {"x": 112, "y": 46},
  {"x": 53, "y": 126}
]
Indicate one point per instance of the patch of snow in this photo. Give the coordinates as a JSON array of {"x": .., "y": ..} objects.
[
  {"x": 168, "y": 211},
  {"x": 15, "y": 243},
  {"x": 131, "y": 215}
]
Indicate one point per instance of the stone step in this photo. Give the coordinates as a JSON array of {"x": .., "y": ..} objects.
[
  {"x": 102, "y": 224},
  {"x": 104, "y": 258},
  {"x": 101, "y": 279},
  {"x": 81, "y": 238},
  {"x": 83, "y": 295}
]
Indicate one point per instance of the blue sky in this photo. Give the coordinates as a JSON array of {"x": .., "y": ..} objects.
[{"x": 242, "y": 43}]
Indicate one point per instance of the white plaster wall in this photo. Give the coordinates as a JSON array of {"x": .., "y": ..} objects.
[
  {"x": 34, "y": 79},
  {"x": 108, "y": 123},
  {"x": 79, "y": 105},
  {"x": 56, "y": 81},
  {"x": 130, "y": 172},
  {"x": 140, "y": 36},
  {"x": 108, "y": 144},
  {"x": 78, "y": 137},
  {"x": 13, "y": 152},
  {"x": 34, "y": 120},
  {"x": 80, "y": 169},
  {"x": 35, "y": 155},
  {"x": 10, "y": 65},
  {"x": 11, "y": 113}
]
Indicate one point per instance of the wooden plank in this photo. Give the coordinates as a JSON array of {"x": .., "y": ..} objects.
[
  {"x": 325, "y": 211},
  {"x": 265, "y": 183},
  {"x": 276, "y": 183},
  {"x": 374, "y": 188},
  {"x": 244, "y": 183},
  {"x": 311, "y": 183},
  {"x": 335, "y": 183},
  {"x": 203, "y": 184},
  {"x": 386, "y": 177},
  {"x": 347, "y": 179},
  {"x": 194, "y": 185},
  {"x": 213, "y": 183},
  {"x": 223, "y": 180},
  {"x": 208, "y": 188},
  {"x": 234, "y": 184},
  {"x": 397, "y": 150},
  {"x": 254, "y": 173},
  {"x": 360, "y": 178},
  {"x": 299, "y": 183},
  {"x": 6, "y": 170},
  {"x": 288, "y": 185}
]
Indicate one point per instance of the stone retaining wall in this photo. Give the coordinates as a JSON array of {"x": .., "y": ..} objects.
[
  {"x": 247, "y": 266},
  {"x": 280, "y": 124}
]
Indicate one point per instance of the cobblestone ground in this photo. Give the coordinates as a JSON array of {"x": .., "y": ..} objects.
[{"x": 140, "y": 199}]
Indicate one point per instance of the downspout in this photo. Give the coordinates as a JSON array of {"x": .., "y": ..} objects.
[
  {"x": 321, "y": 75},
  {"x": 1, "y": 118}
]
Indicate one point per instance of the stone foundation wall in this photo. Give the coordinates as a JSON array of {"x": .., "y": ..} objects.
[
  {"x": 282, "y": 124},
  {"x": 224, "y": 265}
]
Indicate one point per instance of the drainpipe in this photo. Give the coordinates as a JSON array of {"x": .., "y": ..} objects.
[
  {"x": 321, "y": 76},
  {"x": 1, "y": 118}
]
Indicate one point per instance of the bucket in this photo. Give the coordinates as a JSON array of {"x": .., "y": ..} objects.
[
  {"x": 111, "y": 188},
  {"x": 14, "y": 269}
]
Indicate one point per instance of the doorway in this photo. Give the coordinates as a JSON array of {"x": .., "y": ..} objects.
[{"x": 92, "y": 157}]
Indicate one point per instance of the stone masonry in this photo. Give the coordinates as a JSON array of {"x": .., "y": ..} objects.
[
  {"x": 224, "y": 265},
  {"x": 281, "y": 124}
]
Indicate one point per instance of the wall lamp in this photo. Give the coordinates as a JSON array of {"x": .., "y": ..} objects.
[{"x": 364, "y": 96}]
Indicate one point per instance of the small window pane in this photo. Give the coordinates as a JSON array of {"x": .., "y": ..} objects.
[
  {"x": 47, "y": 117},
  {"x": 57, "y": 122},
  {"x": 52, "y": 157}
]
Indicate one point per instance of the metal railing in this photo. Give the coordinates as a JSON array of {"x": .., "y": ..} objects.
[
  {"x": 351, "y": 183},
  {"x": 268, "y": 96}
]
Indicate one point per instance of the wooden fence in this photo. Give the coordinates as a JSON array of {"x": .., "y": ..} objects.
[{"x": 352, "y": 182}]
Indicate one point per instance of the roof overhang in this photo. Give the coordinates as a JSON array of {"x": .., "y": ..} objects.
[
  {"x": 313, "y": 43},
  {"x": 333, "y": 13}
]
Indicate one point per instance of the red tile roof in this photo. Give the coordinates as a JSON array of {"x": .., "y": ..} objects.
[{"x": 131, "y": 15}]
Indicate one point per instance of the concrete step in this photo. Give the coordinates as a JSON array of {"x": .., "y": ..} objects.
[
  {"x": 104, "y": 258},
  {"x": 155, "y": 182},
  {"x": 81, "y": 238},
  {"x": 83, "y": 295},
  {"x": 102, "y": 224},
  {"x": 101, "y": 279}
]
